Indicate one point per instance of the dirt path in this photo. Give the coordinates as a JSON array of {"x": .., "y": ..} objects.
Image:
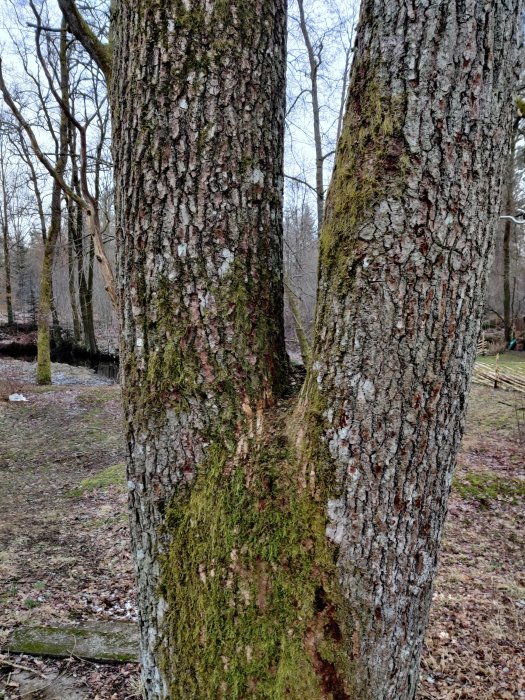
[{"x": 64, "y": 553}]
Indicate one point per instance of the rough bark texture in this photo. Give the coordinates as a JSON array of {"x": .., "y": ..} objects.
[
  {"x": 408, "y": 228},
  {"x": 198, "y": 112}
]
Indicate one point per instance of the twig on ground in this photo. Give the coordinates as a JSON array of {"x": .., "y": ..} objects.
[{"x": 6, "y": 662}]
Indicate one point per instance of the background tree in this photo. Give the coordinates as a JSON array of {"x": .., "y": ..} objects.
[
  {"x": 86, "y": 94},
  {"x": 320, "y": 40},
  {"x": 6, "y": 192}
]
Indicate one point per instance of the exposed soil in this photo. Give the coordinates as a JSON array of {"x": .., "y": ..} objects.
[{"x": 64, "y": 553}]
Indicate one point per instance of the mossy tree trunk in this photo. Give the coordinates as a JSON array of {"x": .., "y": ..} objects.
[
  {"x": 198, "y": 121},
  {"x": 45, "y": 302},
  {"x": 244, "y": 591},
  {"x": 404, "y": 252}
]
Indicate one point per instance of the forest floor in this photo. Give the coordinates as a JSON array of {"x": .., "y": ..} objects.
[{"x": 64, "y": 553}]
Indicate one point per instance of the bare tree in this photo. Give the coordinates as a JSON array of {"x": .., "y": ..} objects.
[
  {"x": 4, "y": 216},
  {"x": 326, "y": 34}
]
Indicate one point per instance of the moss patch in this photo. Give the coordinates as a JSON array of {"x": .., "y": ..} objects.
[
  {"x": 486, "y": 487},
  {"x": 371, "y": 164},
  {"x": 249, "y": 582},
  {"x": 111, "y": 476}
]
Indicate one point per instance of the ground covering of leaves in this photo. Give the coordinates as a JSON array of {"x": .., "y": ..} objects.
[
  {"x": 64, "y": 541},
  {"x": 64, "y": 553},
  {"x": 474, "y": 646}
]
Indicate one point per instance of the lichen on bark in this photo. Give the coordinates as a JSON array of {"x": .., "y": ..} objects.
[
  {"x": 199, "y": 220},
  {"x": 371, "y": 162}
]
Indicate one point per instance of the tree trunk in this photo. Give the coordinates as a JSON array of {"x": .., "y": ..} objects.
[
  {"x": 507, "y": 231},
  {"x": 243, "y": 591},
  {"x": 7, "y": 255},
  {"x": 45, "y": 304},
  {"x": 84, "y": 290},
  {"x": 314, "y": 61},
  {"x": 404, "y": 252},
  {"x": 57, "y": 331},
  {"x": 198, "y": 118},
  {"x": 77, "y": 333}
]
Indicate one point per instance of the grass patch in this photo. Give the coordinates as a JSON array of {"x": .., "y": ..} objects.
[
  {"x": 112, "y": 476},
  {"x": 508, "y": 363},
  {"x": 487, "y": 487}
]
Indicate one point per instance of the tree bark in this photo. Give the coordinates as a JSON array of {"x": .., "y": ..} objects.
[
  {"x": 409, "y": 224},
  {"x": 77, "y": 225},
  {"x": 243, "y": 590},
  {"x": 198, "y": 119},
  {"x": 77, "y": 333}
]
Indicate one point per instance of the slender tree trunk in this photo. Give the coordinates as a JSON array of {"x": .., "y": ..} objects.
[
  {"x": 302, "y": 338},
  {"x": 84, "y": 290},
  {"x": 404, "y": 252},
  {"x": 507, "y": 234},
  {"x": 7, "y": 255},
  {"x": 55, "y": 321},
  {"x": 313, "y": 61},
  {"x": 45, "y": 304},
  {"x": 77, "y": 332},
  {"x": 198, "y": 118}
]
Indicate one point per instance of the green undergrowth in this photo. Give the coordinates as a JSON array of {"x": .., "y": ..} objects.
[
  {"x": 487, "y": 487},
  {"x": 250, "y": 583},
  {"x": 112, "y": 476}
]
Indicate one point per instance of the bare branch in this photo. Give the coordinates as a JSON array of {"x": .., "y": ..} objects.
[{"x": 98, "y": 51}]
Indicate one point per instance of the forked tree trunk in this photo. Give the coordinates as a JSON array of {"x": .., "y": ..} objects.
[
  {"x": 198, "y": 120},
  {"x": 409, "y": 224},
  {"x": 76, "y": 220},
  {"x": 243, "y": 591}
]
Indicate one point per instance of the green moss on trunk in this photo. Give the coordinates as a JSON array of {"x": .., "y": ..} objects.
[
  {"x": 43, "y": 371},
  {"x": 371, "y": 161},
  {"x": 250, "y": 582}
]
